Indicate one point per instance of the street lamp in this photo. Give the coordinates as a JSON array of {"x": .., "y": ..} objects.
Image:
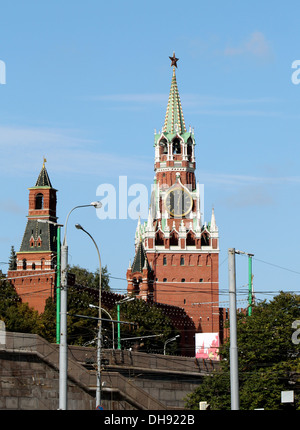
[
  {"x": 126, "y": 299},
  {"x": 112, "y": 322},
  {"x": 63, "y": 346},
  {"x": 44, "y": 221},
  {"x": 170, "y": 340},
  {"x": 98, "y": 390}
]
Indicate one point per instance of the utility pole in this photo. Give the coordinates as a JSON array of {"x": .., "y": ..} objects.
[
  {"x": 126, "y": 299},
  {"x": 63, "y": 350},
  {"x": 250, "y": 280},
  {"x": 234, "y": 371},
  {"x": 250, "y": 297},
  {"x": 58, "y": 286}
]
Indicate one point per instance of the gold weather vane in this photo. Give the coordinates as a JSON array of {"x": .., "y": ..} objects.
[
  {"x": 174, "y": 60},
  {"x": 44, "y": 161}
]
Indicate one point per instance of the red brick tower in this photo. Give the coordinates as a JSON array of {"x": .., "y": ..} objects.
[
  {"x": 34, "y": 278},
  {"x": 177, "y": 253}
]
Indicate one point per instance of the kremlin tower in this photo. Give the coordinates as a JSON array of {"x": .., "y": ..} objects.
[
  {"x": 176, "y": 252},
  {"x": 35, "y": 276}
]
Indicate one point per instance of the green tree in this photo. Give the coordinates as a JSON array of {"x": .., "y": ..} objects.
[
  {"x": 268, "y": 359},
  {"x": 81, "y": 330},
  {"x": 12, "y": 262},
  {"x": 149, "y": 320},
  {"x": 90, "y": 279},
  {"x": 17, "y": 316},
  {"x": 47, "y": 326}
]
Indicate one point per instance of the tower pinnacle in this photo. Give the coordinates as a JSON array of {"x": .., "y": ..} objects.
[
  {"x": 174, "y": 120},
  {"x": 174, "y": 60}
]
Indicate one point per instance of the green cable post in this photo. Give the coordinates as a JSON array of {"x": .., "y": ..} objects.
[
  {"x": 250, "y": 283},
  {"x": 119, "y": 331},
  {"x": 58, "y": 287}
]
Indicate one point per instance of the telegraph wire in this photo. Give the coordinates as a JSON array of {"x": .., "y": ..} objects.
[{"x": 277, "y": 266}]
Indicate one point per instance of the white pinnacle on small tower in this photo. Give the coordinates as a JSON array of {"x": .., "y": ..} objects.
[{"x": 213, "y": 225}]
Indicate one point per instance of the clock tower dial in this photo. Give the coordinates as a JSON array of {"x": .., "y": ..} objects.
[{"x": 178, "y": 202}]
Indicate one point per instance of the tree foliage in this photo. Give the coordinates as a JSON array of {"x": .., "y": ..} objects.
[
  {"x": 269, "y": 361},
  {"x": 12, "y": 262},
  {"x": 90, "y": 279},
  {"x": 149, "y": 321},
  {"x": 17, "y": 316}
]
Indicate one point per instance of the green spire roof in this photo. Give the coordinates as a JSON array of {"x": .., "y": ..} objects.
[
  {"x": 140, "y": 259},
  {"x": 43, "y": 179},
  {"x": 174, "y": 121}
]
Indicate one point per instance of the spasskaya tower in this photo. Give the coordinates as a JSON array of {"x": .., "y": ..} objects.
[{"x": 176, "y": 252}]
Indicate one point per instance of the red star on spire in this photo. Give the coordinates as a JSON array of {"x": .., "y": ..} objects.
[{"x": 174, "y": 60}]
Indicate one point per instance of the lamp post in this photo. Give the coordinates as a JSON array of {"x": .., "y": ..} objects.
[
  {"x": 98, "y": 390},
  {"x": 170, "y": 340},
  {"x": 127, "y": 299},
  {"x": 233, "y": 356},
  {"x": 58, "y": 275},
  {"x": 63, "y": 346},
  {"x": 250, "y": 294},
  {"x": 112, "y": 322}
]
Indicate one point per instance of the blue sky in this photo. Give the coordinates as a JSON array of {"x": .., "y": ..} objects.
[{"x": 88, "y": 82}]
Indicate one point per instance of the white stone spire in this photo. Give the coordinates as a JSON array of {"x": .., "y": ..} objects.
[{"x": 213, "y": 225}]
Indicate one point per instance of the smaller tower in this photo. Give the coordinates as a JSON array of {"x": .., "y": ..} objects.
[
  {"x": 34, "y": 278},
  {"x": 139, "y": 275}
]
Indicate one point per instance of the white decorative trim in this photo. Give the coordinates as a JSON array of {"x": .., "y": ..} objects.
[
  {"x": 178, "y": 250},
  {"x": 172, "y": 169}
]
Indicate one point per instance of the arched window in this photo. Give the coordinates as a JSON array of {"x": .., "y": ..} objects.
[
  {"x": 159, "y": 238},
  {"x": 163, "y": 146},
  {"x": 190, "y": 239},
  {"x": 205, "y": 239},
  {"x": 176, "y": 146},
  {"x": 208, "y": 260},
  {"x": 39, "y": 201},
  {"x": 24, "y": 264},
  {"x": 189, "y": 151},
  {"x": 173, "y": 239},
  {"x": 53, "y": 263},
  {"x": 164, "y": 260},
  {"x": 181, "y": 261},
  {"x": 136, "y": 285},
  {"x": 33, "y": 266}
]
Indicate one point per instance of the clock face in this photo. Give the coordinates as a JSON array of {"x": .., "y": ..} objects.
[{"x": 178, "y": 202}]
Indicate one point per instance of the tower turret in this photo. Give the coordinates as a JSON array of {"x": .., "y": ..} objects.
[
  {"x": 34, "y": 278},
  {"x": 174, "y": 145}
]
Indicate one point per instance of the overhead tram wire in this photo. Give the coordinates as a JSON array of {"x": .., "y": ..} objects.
[
  {"x": 273, "y": 264},
  {"x": 186, "y": 290},
  {"x": 277, "y": 266}
]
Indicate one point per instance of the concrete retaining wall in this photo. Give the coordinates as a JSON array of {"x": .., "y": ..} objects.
[{"x": 29, "y": 377}]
